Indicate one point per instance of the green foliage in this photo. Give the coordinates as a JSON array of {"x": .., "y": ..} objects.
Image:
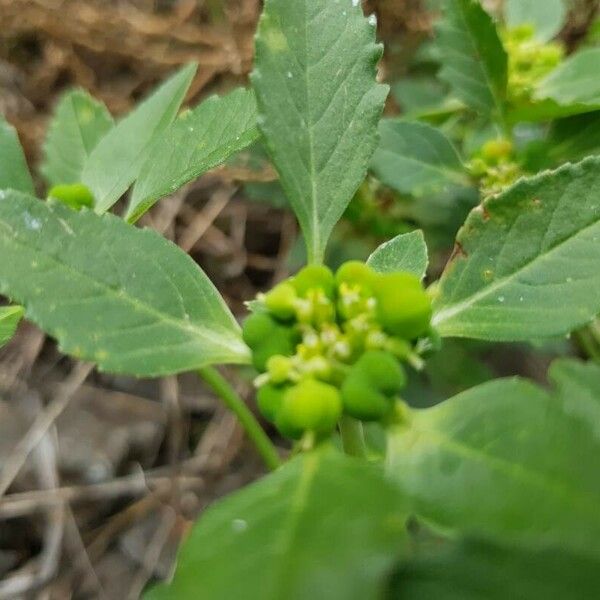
[
  {"x": 575, "y": 81},
  {"x": 415, "y": 158},
  {"x": 116, "y": 161},
  {"x": 9, "y": 320},
  {"x": 519, "y": 453},
  {"x": 480, "y": 570},
  {"x": 270, "y": 541},
  {"x": 406, "y": 252},
  {"x": 126, "y": 299},
  {"x": 474, "y": 62},
  {"x": 78, "y": 124},
  {"x": 197, "y": 141},
  {"x": 14, "y": 173},
  {"x": 525, "y": 264},
  {"x": 319, "y": 105}
]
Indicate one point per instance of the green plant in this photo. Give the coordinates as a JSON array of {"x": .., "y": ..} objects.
[{"x": 492, "y": 493}]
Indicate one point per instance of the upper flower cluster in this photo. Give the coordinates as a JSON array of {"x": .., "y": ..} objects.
[{"x": 326, "y": 344}]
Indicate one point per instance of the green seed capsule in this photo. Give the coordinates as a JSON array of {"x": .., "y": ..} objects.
[
  {"x": 266, "y": 337},
  {"x": 382, "y": 370},
  {"x": 75, "y": 195},
  {"x": 309, "y": 406},
  {"x": 403, "y": 306},
  {"x": 355, "y": 273},
  {"x": 279, "y": 368},
  {"x": 362, "y": 401},
  {"x": 280, "y": 301},
  {"x": 270, "y": 399},
  {"x": 314, "y": 277}
]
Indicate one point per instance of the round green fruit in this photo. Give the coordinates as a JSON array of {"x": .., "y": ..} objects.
[
  {"x": 280, "y": 301},
  {"x": 403, "y": 306},
  {"x": 314, "y": 277},
  {"x": 266, "y": 338},
  {"x": 309, "y": 406},
  {"x": 270, "y": 399}
]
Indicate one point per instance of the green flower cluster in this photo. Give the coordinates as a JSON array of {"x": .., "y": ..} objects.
[
  {"x": 328, "y": 344},
  {"x": 529, "y": 60},
  {"x": 494, "y": 166}
]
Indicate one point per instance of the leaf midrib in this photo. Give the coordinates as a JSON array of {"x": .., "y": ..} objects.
[
  {"x": 454, "y": 309},
  {"x": 185, "y": 326}
]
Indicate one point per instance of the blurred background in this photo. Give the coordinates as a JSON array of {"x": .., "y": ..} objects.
[{"x": 100, "y": 476}]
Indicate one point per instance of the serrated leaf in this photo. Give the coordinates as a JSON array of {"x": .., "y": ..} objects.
[
  {"x": 527, "y": 261},
  {"x": 415, "y": 158},
  {"x": 9, "y": 320},
  {"x": 14, "y": 173},
  {"x": 196, "y": 142},
  {"x": 474, "y": 62},
  {"x": 110, "y": 293},
  {"x": 575, "y": 81},
  {"x": 78, "y": 124},
  {"x": 481, "y": 570},
  {"x": 319, "y": 105},
  {"x": 546, "y": 16},
  {"x": 115, "y": 162},
  {"x": 405, "y": 252},
  {"x": 324, "y": 527},
  {"x": 507, "y": 460}
]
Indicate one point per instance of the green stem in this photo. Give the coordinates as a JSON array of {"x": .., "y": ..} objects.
[
  {"x": 353, "y": 438},
  {"x": 588, "y": 342},
  {"x": 236, "y": 405}
]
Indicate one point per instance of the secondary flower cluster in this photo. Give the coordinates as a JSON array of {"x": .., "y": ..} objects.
[
  {"x": 529, "y": 60},
  {"x": 325, "y": 344},
  {"x": 494, "y": 166}
]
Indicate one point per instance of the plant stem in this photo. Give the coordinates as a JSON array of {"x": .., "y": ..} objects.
[
  {"x": 589, "y": 343},
  {"x": 249, "y": 422},
  {"x": 353, "y": 438}
]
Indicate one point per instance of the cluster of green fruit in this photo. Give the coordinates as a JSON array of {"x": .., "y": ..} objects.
[
  {"x": 529, "y": 60},
  {"x": 328, "y": 344},
  {"x": 494, "y": 166}
]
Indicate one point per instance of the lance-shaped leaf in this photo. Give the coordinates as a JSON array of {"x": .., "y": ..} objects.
[
  {"x": 417, "y": 159},
  {"x": 9, "y": 319},
  {"x": 527, "y": 262},
  {"x": 196, "y": 142},
  {"x": 405, "y": 252},
  {"x": 115, "y": 162},
  {"x": 14, "y": 173},
  {"x": 319, "y": 105},
  {"x": 480, "y": 570},
  {"x": 78, "y": 124},
  {"x": 575, "y": 81},
  {"x": 324, "y": 527},
  {"x": 110, "y": 293},
  {"x": 508, "y": 460},
  {"x": 474, "y": 62},
  {"x": 546, "y": 16}
]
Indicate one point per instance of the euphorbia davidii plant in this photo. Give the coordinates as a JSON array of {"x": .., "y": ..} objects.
[{"x": 501, "y": 481}]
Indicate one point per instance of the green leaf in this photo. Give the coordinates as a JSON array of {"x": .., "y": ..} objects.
[
  {"x": 480, "y": 570},
  {"x": 196, "y": 142},
  {"x": 14, "y": 173},
  {"x": 575, "y": 137},
  {"x": 324, "y": 527},
  {"x": 415, "y": 158},
  {"x": 9, "y": 319},
  {"x": 110, "y": 293},
  {"x": 474, "y": 62},
  {"x": 406, "y": 252},
  {"x": 507, "y": 460},
  {"x": 319, "y": 105},
  {"x": 527, "y": 262},
  {"x": 115, "y": 162},
  {"x": 546, "y": 16},
  {"x": 575, "y": 81},
  {"x": 78, "y": 124}
]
